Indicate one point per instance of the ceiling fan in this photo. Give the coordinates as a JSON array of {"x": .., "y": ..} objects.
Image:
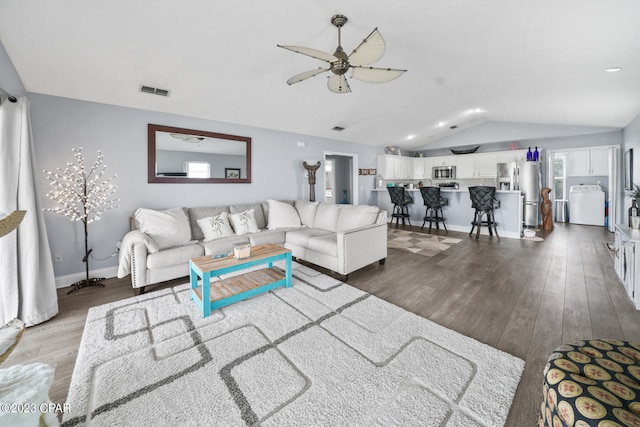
[
  {"x": 188, "y": 138},
  {"x": 369, "y": 51}
]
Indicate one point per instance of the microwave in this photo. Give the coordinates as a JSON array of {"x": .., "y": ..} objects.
[{"x": 444, "y": 172}]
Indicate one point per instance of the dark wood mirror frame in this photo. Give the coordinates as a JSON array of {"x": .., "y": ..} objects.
[{"x": 151, "y": 165}]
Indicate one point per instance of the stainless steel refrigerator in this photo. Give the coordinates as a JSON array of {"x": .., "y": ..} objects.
[{"x": 530, "y": 183}]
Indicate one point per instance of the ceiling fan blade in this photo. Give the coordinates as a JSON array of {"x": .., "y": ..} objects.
[
  {"x": 369, "y": 51},
  {"x": 338, "y": 84},
  {"x": 307, "y": 74},
  {"x": 314, "y": 53},
  {"x": 376, "y": 75}
]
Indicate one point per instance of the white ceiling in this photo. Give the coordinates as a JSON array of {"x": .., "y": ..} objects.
[{"x": 525, "y": 61}]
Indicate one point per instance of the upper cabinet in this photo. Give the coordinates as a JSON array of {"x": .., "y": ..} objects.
[
  {"x": 511, "y": 156},
  {"x": 395, "y": 167},
  {"x": 422, "y": 167},
  {"x": 476, "y": 165},
  {"x": 594, "y": 162}
]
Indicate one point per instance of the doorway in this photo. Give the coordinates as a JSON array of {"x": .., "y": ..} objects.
[{"x": 340, "y": 179}]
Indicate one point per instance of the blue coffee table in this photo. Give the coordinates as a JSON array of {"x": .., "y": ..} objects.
[{"x": 210, "y": 296}]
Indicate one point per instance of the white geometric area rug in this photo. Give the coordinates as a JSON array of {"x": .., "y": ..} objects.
[
  {"x": 319, "y": 353},
  {"x": 419, "y": 243}
]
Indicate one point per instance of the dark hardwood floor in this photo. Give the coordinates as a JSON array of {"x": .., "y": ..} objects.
[{"x": 520, "y": 296}]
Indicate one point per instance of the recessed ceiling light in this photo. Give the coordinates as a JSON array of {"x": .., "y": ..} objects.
[
  {"x": 440, "y": 124},
  {"x": 613, "y": 69},
  {"x": 478, "y": 110},
  {"x": 410, "y": 137}
]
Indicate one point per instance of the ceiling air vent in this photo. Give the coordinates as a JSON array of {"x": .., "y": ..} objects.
[
  {"x": 338, "y": 128},
  {"x": 154, "y": 90}
]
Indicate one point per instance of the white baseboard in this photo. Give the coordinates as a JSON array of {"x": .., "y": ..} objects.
[{"x": 70, "y": 279}]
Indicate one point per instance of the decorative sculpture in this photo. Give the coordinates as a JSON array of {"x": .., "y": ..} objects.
[
  {"x": 312, "y": 179},
  {"x": 545, "y": 208},
  {"x": 83, "y": 196}
]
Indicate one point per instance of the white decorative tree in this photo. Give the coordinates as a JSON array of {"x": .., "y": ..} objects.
[{"x": 83, "y": 195}]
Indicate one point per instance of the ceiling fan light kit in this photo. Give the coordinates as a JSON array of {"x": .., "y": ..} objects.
[{"x": 370, "y": 50}]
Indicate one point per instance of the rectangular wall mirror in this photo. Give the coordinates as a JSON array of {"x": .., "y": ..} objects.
[{"x": 179, "y": 155}]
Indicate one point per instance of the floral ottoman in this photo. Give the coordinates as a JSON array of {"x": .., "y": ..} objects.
[{"x": 592, "y": 383}]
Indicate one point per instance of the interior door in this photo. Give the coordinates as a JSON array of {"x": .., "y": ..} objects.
[{"x": 344, "y": 186}]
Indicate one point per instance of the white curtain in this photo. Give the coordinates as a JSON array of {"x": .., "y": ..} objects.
[{"x": 27, "y": 281}]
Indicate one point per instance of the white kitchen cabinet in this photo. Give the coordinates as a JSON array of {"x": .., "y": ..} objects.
[
  {"x": 594, "y": 162},
  {"x": 444, "y": 160},
  {"x": 600, "y": 162},
  {"x": 465, "y": 166},
  {"x": 395, "y": 167},
  {"x": 626, "y": 262},
  {"x": 511, "y": 156},
  {"x": 422, "y": 167},
  {"x": 476, "y": 165},
  {"x": 486, "y": 165}
]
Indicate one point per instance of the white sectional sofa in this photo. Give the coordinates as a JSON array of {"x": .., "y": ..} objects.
[{"x": 341, "y": 238}]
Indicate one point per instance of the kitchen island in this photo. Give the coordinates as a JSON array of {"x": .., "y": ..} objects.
[{"x": 458, "y": 213}]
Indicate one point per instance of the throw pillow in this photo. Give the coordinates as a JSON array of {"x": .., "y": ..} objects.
[
  {"x": 307, "y": 212},
  {"x": 167, "y": 228},
  {"x": 244, "y": 222},
  {"x": 282, "y": 215},
  {"x": 215, "y": 227}
]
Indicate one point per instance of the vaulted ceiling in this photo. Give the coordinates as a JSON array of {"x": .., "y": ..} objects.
[{"x": 469, "y": 62}]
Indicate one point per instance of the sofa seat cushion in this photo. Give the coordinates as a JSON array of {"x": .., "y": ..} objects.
[
  {"x": 267, "y": 236},
  {"x": 301, "y": 238},
  {"x": 173, "y": 256},
  {"x": 223, "y": 246},
  {"x": 326, "y": 244}
]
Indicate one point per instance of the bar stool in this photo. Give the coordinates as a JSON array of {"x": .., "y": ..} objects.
[
  {"x": 400, "y": 200},
  {"x": 483, "y": 200},
  {"x": 434, "y": 203}
]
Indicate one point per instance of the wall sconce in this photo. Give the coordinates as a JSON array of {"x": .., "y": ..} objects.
[{"x": 312, "y": 179}]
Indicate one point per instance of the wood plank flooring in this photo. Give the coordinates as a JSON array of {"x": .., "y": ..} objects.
[{"x": 520, "y": 296}]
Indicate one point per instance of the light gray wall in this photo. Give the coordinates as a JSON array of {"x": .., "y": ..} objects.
[
  {"x": 60, "y": 124},
  {"x": 631, "y": 138}
]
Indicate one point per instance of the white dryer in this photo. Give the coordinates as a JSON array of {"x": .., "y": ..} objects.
[{"x": 586, "y": 205}]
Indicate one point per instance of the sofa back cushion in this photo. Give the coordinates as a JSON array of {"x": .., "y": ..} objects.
[
  {"x": 258, "y": 213},
  {"x": 356, "y": 216},
  {"x": 203, "y": 212},
  {"x": 327, "y": 217},
  {"x": 167, "y": 228},
  {"x": 307, "y": 212}
]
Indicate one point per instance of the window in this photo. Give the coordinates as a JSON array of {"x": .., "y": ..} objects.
[
  {"x": 559, "y": 175},
  {"x": 198, "y": 169}
]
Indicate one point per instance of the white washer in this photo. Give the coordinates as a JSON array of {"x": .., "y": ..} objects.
[{"x": 586, "y": 205}]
